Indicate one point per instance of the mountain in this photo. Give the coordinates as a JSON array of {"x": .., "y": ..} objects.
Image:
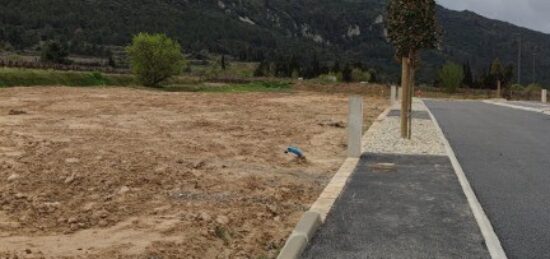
[{"x": 349, "y": 31}]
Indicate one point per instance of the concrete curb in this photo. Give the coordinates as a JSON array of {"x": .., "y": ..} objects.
[
  {"x": 315, "y": 217},
  {"x": 491, "y": 239},
  {"x": 531, "y": 109}
]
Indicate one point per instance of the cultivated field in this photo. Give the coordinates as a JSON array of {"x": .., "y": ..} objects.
[{"x": 106, "y": 172}]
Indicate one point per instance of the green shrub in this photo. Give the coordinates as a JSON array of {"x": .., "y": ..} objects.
[
  {"x": 358, "y": 75},
  {"x": 329, "y": 78},
  {"x": 451, "y": 76},
  {"x": 55, "y": 52},
  {"x": 155, "y": 58}
]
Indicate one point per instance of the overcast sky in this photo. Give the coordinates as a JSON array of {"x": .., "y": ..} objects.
[{"x": 533, "y": 14}]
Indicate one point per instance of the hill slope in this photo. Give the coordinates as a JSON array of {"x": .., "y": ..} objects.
[{"x": 345, "y": 30}]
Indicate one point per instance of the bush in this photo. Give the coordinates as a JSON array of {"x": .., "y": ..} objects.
[
  {"x": 55, "y": 52},
  {"x": 451, "y": 76},
  {"x": 532, "y": 91},
  {"x": 155, "y": 58},
  {"x": 330, "y": 78},
  {"x": 358, "y": 75}
]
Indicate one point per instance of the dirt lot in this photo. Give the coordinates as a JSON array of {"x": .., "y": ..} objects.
[{"x": 120, "y": 172}]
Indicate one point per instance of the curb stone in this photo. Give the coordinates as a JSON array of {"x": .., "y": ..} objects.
[
  {"x": 315, "y": 217},
  {"x": 301, "y": 235},
  {"x": 531, "y": 109}
]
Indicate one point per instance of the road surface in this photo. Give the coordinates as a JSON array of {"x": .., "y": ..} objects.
[{"x": 505, "y": 154}]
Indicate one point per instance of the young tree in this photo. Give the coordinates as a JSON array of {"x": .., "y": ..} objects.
[
  {"x": 222, "y": 62},
  {"x": 155, "y": 58},
  {"x": 451, "y": 76},
  {"x": 468, "y": 77},
  {"x": 498, "y": 74},
  {"x": 411, "y": 26},
  {"x": 55, "y": 52}
]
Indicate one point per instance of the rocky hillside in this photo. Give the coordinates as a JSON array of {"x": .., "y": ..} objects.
[{"x": 344, "y": 30}]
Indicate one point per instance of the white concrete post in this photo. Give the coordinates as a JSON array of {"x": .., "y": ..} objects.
[
  {"x": 355, "y": 126},
  {"x": 544, "y": 96},
  {"x": 393, "y": 94}
]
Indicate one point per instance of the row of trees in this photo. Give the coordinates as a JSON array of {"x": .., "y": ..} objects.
[
  {"x": 453, "y": 76},
  {"x": 294, "y": 66}
]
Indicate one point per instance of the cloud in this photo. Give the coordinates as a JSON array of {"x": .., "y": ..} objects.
[{"x": 532, "y": 14}]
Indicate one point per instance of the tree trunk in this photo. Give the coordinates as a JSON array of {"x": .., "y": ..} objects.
[
  {"x": 405, "y": 78},
  {"x": 412, "y": 72}
]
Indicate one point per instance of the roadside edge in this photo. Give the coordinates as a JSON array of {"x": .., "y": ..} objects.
[
  {"x": 316, "y": 215},
  {"x": 546, "y": 112},
  {"x": 491, "y": 239}
]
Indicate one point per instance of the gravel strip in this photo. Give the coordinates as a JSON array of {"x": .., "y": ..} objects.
[{"x": 385, "y": 137}]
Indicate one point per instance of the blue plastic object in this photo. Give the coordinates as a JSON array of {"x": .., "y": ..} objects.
[{"x": 296, "y": 151}]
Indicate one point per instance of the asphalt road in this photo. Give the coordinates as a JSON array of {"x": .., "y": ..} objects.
[{"x": 505, "y": 154}]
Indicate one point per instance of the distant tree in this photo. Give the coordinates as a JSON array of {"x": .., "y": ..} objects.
[
  {"x": 262, "y": 69},
  {"x": 315, "y": 67},
  {"x": 55, "y": 52},
  {"x": 358, "y": 75},
  {"x": 111, "y": 62},
  {"x": 294, "y": 67},
  {"x": 497, "y": 72},
  {"x": 451, "y": 76},
  {"x": 346, "y": 73},
  {"x": 468, "y": 77},
  {"x": 336, "y": 68},
  {"x": 155, "y": 58},
  {"x": 411, "y": 27},
  {"x": 222, "y": 62}
]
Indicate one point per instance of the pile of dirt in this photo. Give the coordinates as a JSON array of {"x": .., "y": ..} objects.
[{"x": 122, "y": 172}]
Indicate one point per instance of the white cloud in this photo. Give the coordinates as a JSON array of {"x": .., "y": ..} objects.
[{"x": 532, "y": 14}]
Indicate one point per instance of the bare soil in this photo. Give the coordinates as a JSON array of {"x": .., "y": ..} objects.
[{"x": 118, "y": 172}]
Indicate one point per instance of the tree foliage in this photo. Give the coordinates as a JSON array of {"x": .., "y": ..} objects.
[
  {"x": 54, "y": 52},
  {"x": 412, "y": 26},
  {"x": 468, "y": 76},
  {"x": 451, "y": 76},
  {"x": 497, "y": 70},
  {"x": 155, "y": 58}
]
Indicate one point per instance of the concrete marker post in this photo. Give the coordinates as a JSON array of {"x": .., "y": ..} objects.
[
  {"x": 393, "y": 95},
  {"x": 355, "y": 126},
  {"x": 544, "y": 96}
]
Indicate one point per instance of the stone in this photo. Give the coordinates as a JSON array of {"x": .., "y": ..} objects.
[
  {"x": 222, "y": 220},
  {"x": 103, "y": 223},
  {"x": 70, "y": 179},
  {"x": 204, "y": 216},
  {"x": 88, "y": 206},
  {"x": 123, "y": 190},
  {"x": 20, "y": 196},
  {"x": 72, "y": 160},
  {"x": 13, "y": 177}
]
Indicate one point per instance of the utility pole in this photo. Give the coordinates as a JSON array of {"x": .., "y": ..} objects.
[{"x": 519, "y": 61}]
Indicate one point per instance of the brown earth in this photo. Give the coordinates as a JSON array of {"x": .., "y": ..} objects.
[{"x": 118, "y": 172}]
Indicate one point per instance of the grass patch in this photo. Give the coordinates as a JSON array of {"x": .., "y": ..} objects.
[{"x": 34, "y": 77}]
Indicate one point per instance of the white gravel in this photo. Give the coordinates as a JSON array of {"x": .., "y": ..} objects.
[{"x": 385, "y": 137}]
